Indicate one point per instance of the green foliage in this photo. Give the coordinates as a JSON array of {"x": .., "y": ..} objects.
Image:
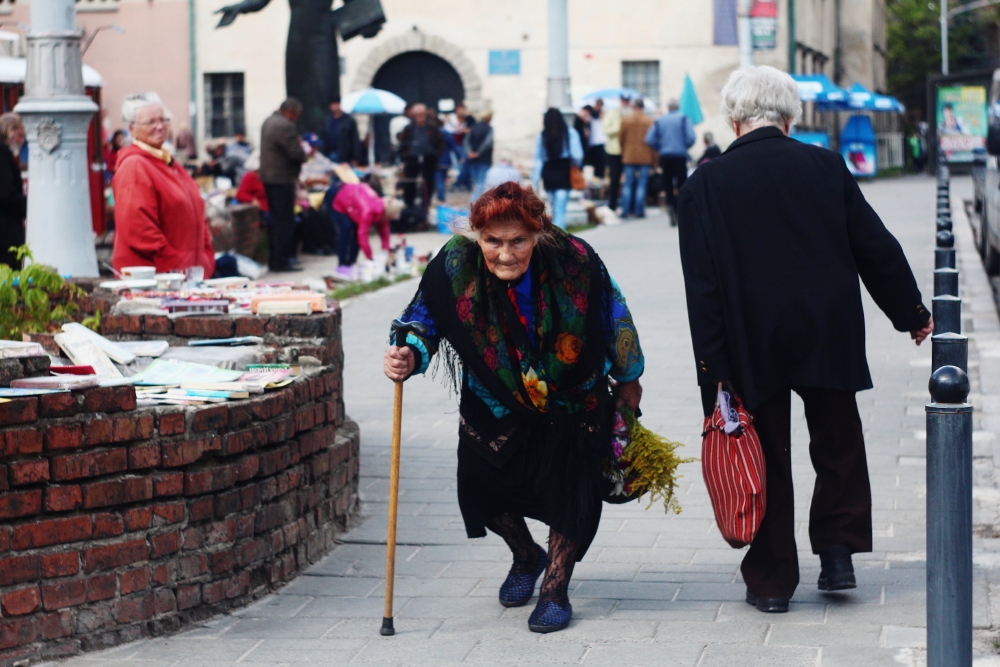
[
  {"x": 34, "y": 299},
  {"x": 654, "y": 461},
  {"x": 913, "y": 36},
  {"x": 357, "y": 289}
]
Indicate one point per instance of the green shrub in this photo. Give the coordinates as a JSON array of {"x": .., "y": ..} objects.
[{"x": 35, "y": 299}]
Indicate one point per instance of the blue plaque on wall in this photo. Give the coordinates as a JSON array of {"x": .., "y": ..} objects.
[{"x": 505, "y": 62}]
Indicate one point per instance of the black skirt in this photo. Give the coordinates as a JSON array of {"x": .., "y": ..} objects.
[
  {"x": 555, "y": 174},
  {"x": 486, "y": 490}
]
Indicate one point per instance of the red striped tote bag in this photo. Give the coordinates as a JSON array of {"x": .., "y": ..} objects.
[{"x": 733, "y": 467}]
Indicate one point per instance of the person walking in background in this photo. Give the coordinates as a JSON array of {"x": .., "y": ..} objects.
[
  {"x": 671, "y": 136},
  {"x": 452, "y": 155},
  {"x": 637, "y": 159},
  {"x": 611, "y": 123},
  {"x": 420, "y": 146},
  {"x": 581, "y": 123},
  {"x": 340, "y": 135},
  {"x": 712, "y": 151},
  {"x": 596, "y": 155},
  {"x": 111, "y": 153},
  {"x": 774, "y": 235},
  {"x": 281, "y": 160},
  {"x": 557, "y": 149},
  {"x": 13, "y": 203},
  {"x": 479, "y": 152}
]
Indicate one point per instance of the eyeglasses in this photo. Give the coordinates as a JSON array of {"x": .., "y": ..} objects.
[{"x": 155, "y": 122}]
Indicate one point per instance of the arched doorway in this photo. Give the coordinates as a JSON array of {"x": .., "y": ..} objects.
[{"x": 417, "y": 77}]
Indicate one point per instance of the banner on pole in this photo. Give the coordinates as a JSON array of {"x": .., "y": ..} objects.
[{"x": 764, "y": 24}]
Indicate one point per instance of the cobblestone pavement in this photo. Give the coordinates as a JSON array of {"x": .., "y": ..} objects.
[{"x": 654, "y": 589}]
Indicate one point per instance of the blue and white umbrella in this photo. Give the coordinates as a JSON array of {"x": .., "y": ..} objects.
[{"x": 372, "y": 100}]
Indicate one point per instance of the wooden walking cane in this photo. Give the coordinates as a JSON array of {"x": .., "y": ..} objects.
[{"x": 400, "y": 329}]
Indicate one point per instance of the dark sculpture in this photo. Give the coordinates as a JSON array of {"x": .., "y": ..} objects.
[{"x": 312, "y": 67}]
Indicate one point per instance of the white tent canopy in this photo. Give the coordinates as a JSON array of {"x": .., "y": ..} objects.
[{"x": 13, "y": 70}]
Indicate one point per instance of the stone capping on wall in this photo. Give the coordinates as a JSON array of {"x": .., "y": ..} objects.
[
  {"x": 118, "y": 521},
  {"x": 415, "y": 40}
]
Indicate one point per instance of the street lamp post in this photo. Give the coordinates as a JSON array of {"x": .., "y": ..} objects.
[
  {"x": 558, "y": 85},
  {"x": 944, "y": 36},
  {"x": 56, "y": 114}
]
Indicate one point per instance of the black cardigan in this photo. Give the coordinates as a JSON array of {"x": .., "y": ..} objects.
[{"x": 773, "y": 236}]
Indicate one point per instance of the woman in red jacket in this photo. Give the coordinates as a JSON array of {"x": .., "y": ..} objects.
[{"x": 159, "y": 212}]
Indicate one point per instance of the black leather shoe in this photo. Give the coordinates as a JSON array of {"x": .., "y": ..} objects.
[
  {"x": 836, "y": 569},
  {"x": 768, "y": 605}
]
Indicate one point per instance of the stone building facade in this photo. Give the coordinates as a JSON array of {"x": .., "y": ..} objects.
[{"x": 491, "y": 55}]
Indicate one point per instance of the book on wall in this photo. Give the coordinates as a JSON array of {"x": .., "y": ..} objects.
[{"x": 84, "y": 352}]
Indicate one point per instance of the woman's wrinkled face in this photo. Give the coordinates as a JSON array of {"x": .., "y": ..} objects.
[
  {"x": 151, "y": 125},
  {"x": 507, "y": 248}
]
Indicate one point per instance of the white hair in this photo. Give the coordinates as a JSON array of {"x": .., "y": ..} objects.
[
  {"x": 133, "y": 103},
  {"x": 761, "y": 95}
]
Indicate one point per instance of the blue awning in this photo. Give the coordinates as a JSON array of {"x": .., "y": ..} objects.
[
  {"x": 818, "y": 88},
  {"x": 860, "y": 98}
]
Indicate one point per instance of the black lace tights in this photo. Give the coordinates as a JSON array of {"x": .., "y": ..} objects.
[{"x": 562, "y": 555}]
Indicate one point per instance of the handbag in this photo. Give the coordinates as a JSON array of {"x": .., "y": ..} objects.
[
  {"x": 732, "y": 463},
  {"x": 576, "y": 181}
]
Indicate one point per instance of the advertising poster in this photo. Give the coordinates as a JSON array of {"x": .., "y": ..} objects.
[
  {"x": 857, "y": 146},
  {"x": 961, "y": 122},
  {"x": 764, "y": 24}
]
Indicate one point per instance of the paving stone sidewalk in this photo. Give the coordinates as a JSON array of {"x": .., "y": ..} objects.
[{"x": 654, "y": 589}]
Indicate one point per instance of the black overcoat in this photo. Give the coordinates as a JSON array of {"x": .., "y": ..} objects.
[{"x": 773, "y": 236}]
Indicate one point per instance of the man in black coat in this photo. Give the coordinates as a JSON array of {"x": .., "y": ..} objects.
[{"x": 774, "y": 235}]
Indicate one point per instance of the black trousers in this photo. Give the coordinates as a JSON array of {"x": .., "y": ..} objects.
[
  {"x": 614, "y": 180},
  {"x": 426, "y": 166},
  {"x": 841, "y": 510},
  {"x": 597, "y": 158},
  {"x": 675, "y": 175},
  {"x": 281, "y": 233}
]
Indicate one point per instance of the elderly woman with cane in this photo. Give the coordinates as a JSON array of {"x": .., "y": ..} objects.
[
  {"x": 529, "y": 322},
  {"x": 774, "y": 235}
]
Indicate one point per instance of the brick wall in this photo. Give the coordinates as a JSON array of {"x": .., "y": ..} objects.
[{"x": 118, "y": 522}]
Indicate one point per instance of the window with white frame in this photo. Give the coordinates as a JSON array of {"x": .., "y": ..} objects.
[
  {"x": 644, "y": 76},
  {"x": 224, "y": 104}
]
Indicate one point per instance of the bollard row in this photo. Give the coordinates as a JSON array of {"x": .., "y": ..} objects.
[{"x": 949, "y": 459}]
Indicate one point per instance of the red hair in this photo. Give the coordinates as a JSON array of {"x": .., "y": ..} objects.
[{"x": 509, "y": 201}]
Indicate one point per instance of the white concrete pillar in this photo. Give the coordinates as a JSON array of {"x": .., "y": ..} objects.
[
  {"x": 744, "y": 33},
  {"x": 558, "y": 88},
  {"x": 56, "y": 113}
]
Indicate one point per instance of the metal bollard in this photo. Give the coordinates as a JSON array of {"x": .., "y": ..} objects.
[
  {"x": 949, "y": 349},
  {"x": 944, "y": 258},
  {"x": 947, "y": 312},
  {"x": 949, "y": 520},
  {"x": 945, "y": 239},
  {"x": 945, "y": 282}
]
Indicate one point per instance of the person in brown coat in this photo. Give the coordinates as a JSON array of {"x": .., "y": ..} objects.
[
  {"x": 281, "y": 158},
  {"x": 637, "y": 160}
]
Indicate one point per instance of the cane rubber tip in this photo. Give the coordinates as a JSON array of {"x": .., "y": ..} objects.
[
  {"x": 949, "y": 384},
  {"x": 945, "y": 239},
  {"x": 387, "y": 630}
]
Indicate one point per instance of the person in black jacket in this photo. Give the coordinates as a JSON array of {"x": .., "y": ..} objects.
[
  {"x": 13, "y": 203},
  {"x": 773, "y": 236},
  {"x": 340, "y": 135},
  {"x": 420, "y": 146}
]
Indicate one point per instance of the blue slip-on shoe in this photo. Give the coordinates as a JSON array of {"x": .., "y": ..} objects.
[
  {"x": 549, "y": 617},
  {"x": 518, "y": 588}
]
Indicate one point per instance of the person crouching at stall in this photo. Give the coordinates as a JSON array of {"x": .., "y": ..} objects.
[
  {"x": 528, "y": 318},
  {"x": 357, "y": 207}
]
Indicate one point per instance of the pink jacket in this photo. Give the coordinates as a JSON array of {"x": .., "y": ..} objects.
[{"x": 360, "y": 203}]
